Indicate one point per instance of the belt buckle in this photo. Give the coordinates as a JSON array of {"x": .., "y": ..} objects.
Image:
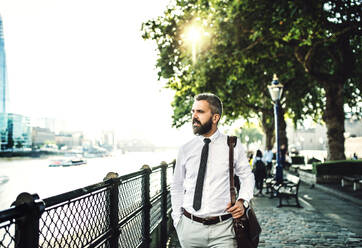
[{"x": 205, "y": 221}]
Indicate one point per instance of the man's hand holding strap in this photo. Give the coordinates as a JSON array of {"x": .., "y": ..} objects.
[{"x": 238, "y": 209}]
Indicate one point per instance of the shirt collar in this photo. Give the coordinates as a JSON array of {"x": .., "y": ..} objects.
[{"x": 212, "y": 137}]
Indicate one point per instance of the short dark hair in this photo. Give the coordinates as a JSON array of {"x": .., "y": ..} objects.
[{"x": 213, "y": 100}]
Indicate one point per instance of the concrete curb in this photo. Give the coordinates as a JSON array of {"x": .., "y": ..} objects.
[{"x": 333, "y": 191}]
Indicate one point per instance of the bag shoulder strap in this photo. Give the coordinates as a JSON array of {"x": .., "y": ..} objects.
[{"x": 232, "y": 143}]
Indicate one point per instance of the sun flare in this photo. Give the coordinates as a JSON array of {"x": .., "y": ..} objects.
[{"x": 194, "y": 36}]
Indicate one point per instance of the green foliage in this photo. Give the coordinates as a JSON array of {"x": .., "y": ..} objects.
[
  {"x": 19, "y": 144},
  {"x": 249, "y": 134}
]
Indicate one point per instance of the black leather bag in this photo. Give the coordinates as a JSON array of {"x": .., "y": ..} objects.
[{"x": 247, "y": 228}]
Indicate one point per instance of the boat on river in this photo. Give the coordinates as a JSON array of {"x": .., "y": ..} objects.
[
  {"x": 67, "y": 162},
  {"x": 4, "y": 179},
  {"x": 75, "y": 161}
]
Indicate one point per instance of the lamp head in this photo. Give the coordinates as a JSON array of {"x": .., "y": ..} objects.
[{"x": 275, "y": 89}]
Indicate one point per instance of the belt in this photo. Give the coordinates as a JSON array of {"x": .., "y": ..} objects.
[{"x": 208, "y": 220}]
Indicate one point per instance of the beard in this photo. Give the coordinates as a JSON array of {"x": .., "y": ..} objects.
[{"x": 203, "y": 128}]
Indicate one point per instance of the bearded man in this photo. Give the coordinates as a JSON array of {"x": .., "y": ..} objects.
[{"x": 200, "y": 192}]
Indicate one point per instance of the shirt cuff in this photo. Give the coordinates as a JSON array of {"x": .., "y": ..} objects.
[
  {"x": 176, "y": 221},
  {"x": 244, "y": 197}
]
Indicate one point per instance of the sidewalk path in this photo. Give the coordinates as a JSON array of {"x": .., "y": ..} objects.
[{"x": 324, "y": 221}]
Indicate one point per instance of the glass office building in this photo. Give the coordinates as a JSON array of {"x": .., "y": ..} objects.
[
  {"x": 3, "y": 77},
  {"x": 15, "y": 132}
]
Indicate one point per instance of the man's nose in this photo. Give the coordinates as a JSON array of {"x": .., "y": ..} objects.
[{"x": 194, "y": 115}]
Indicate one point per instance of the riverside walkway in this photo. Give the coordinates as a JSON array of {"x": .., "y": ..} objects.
[
  {"x": 325, "y": 220},
  {"x": 133, "y": 211}
]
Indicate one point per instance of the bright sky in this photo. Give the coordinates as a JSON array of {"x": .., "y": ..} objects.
[{"x": 85, "y": 61}]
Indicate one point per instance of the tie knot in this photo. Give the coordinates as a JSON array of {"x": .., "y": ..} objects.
[{"x": 207, "y": 140}]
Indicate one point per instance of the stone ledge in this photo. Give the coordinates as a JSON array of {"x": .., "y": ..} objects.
[{"x": 310, "y": 178}]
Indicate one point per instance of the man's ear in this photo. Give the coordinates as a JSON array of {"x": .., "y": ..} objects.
[{"x": 216, "y": 118}]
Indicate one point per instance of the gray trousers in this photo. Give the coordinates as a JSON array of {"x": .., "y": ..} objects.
[{"x": 193, "y": 234}]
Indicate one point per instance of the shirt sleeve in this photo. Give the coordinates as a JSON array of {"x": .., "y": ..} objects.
[
  {"x": 177, "y": 190},
  {"x": 265, "y": 157},
  {"x": 243, "y": 171}
]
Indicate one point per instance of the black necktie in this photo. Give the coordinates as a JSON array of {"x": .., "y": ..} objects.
[{"x": 201, "y": 175}]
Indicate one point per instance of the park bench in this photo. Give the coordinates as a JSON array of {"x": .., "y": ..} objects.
[
  {"x": 269, "y": 185},
  {"x": 288, "y": 189},
  {"x": 355, "y": 181}
]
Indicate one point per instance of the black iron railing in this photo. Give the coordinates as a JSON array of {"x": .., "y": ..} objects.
[{"x": 127, "y": 211}]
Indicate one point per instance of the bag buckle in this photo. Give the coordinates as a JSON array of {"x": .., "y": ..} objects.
[{"x": 240, "y": 224}]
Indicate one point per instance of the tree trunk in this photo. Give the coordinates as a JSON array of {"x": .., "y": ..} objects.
[
  {"x": 334, "y": 119},
  {"x": 267, "y": 121}
]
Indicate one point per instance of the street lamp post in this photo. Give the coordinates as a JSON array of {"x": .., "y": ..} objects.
[{"x": 276, "y": 90}]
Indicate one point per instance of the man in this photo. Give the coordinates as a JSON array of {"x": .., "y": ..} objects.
[
  {"x": 200, "y": 191},
  {"x": 268, "y": 159}
]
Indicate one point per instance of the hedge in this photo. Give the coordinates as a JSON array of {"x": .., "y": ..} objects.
[{"x": 338, "y": 167}]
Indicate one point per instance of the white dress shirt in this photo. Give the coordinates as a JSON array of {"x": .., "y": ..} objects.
[
  {"x": 216, "y": 189},
  {"x": 268, "y": 156}
]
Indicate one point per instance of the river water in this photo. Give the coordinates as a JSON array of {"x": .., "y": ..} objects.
[{"x": 35, "y": 176}]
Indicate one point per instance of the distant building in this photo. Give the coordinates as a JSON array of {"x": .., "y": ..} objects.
[
  {"x": 15, "y": 131},
  {"x": 3, "y": 77},
  {"x": 78, "y": 138},
  {"x": 315, "y": 138},
  {"x": 353, "y": 127},
  {"x": 54, "y": 125},
  {"x": 68, "y": 139},
  {"x": 42, "y": 136},
  {"x": 353, "y": 146},
  {"x": 108, "y": 140},
  {"x": 64, "y": 140}
]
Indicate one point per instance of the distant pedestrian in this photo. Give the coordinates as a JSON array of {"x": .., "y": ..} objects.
[
  {"x": 283, "y": 153},
  {"x": 259, "y": 171},
  {"x": 268, "y": 160},
  {"x": 251, "y": 159},
  {"x": 287, "y": 161},
  {"x": 200, "y": 191},
  {"x": 354, "y": 156}
]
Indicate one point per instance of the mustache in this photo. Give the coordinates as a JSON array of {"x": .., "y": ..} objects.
[{"x": 195, "y": 121}]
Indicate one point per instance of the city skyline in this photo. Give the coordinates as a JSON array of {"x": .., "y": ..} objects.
[{"x": 85, "y": 62}]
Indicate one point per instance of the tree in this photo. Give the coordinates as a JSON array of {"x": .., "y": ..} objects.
[
  {"x": 223, "y": 66},
  {"x": 19, "y": 144},
  {"x": 326, "y": 40},
  {"x": 248, "y": 42}
]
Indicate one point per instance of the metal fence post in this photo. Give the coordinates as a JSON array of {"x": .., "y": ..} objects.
[
  {"x": 113, "y": 212},
  {"x": 146, "y": 204},
  {"x": 164, "y": 235},
  {"x": 27, "y": 227}
]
